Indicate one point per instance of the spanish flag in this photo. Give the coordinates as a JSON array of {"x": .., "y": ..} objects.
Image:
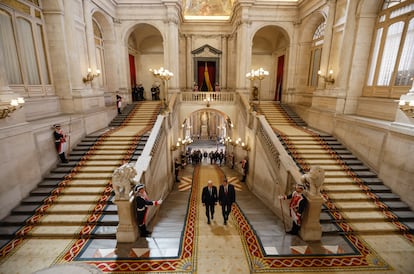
[{"x": 206, "y": 83}]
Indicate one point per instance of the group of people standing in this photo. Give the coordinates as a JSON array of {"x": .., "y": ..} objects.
[
  {"x": 138, "y": 92},
  {"x": 226, "y": 196}
]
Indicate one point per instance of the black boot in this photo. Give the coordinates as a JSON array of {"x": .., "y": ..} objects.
[
  {"x": 143, "y": 231},
  {"x": 63, "y": 158}
]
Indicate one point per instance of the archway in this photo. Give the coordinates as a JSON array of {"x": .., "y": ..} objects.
[
  {"x": 207, "y": 129},
  {"x": 269, "y": 51},
  {"x": 145, "y": 52}
]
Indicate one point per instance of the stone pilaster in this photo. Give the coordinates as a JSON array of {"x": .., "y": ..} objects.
[
  {"x": 171, "y": 56},
  {"x": 189, "y": 62},
  {"x": 223, "y": 63},
  {"x": 244, "y": 55}
]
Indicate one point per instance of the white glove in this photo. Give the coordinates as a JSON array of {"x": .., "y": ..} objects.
[
  {"x": 159, "y": 202},
  {"x": 281, "y": 197}
]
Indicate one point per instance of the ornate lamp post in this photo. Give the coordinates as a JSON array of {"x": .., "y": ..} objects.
[
  {"x": 164, "y": 75},
  {"x": 258, "y": 74}
]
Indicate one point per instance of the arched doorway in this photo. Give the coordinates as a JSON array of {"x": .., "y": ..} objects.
[
  {"x": 269, "y": 51},
  {"x": 145, "y": 52},
  {"x": 208, "y": 130}
]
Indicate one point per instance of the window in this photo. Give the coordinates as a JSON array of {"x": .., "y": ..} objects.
[
  {"x": 392, "y": 56},
  {"x": 99, "y": 51},
  {"x": 9, "y": 49},
  {"x": 316, "y": 53},
  {"x": 22, "y": 43}
]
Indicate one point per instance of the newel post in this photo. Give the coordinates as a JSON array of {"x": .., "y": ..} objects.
[
  {"x": 127, "y": 231},
  {"x": 311, "y": 229}
]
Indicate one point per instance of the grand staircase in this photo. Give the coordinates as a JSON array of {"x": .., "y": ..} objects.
[
  {"x": 75, "y": 200},
  {"x": 356, "y": 200}
]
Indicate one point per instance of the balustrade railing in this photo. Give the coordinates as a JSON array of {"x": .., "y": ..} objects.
[{"x": 203, "y": 97}]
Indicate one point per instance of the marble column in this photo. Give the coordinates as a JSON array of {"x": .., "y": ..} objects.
[{"x": 311, "y": 229}]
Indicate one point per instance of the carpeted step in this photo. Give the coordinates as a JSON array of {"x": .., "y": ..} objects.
[
  {"x": 396, "y": 205},
  {"x": 372, "y": 181}
]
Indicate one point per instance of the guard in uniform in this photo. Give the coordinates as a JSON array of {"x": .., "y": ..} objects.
[{"x": 142, "y": 203}]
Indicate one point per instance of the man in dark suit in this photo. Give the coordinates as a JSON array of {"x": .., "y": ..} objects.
[
  {"x": 209, "y": 199},
  {"x": 227, "y": 196}
]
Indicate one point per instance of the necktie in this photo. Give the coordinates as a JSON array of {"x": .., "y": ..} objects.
[{"x": 209, "y": 191}]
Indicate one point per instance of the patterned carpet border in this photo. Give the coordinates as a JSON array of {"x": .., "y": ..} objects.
[{"x": 365, "y": 259}]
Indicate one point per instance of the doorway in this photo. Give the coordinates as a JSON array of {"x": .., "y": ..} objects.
[{"x": 279, "y": 77}]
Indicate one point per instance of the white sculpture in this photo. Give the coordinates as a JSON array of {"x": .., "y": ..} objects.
[
  {"x": 121, "y": 181},
  {"x": 314, "y": 179}
]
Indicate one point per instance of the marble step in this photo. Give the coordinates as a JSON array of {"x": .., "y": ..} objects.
[
  {"x": 65, "y": 209},
  {"x": 64, "y": 199},
  {"x": 54, "y": 219},
  {"x": 66, "y": 232}
]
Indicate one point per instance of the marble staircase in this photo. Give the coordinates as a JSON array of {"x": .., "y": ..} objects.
[
  {"x": 356, "y": 200},
  {"x": 75, "y": 199}
]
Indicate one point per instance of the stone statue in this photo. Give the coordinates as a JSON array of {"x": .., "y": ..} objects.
[
  {"x": 314, "y": 179},
  {"x": 122, "y": 179}
]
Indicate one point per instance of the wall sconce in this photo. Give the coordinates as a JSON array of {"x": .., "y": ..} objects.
[
  {"x": 328, "y": 79},
  {"x": 90, "y": 76},
  {"x": 181, "y": 142},
  {"x": 176, "y": 146},
  {"x": 7, "y": 108},
  {"x": 407, "y": 107},
  {"x": 242, "y": 144}
]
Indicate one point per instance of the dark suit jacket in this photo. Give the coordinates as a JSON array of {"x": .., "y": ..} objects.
[
  {"x": 230, "y": 197},
  {"x": 208, "y": 199}
]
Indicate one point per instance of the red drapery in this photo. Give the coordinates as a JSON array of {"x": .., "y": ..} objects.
[
  {"x": 279, "y": 77},
  {"x": 132, "y": 70},
  {"x": 211, "y": 67}
]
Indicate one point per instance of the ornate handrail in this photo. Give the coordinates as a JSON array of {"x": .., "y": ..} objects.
[{"x": 203, "y": 97}]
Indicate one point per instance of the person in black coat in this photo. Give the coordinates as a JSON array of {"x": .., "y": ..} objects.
[
  {"x": 142, "y": 203},
  {"x": 227, "y": 196},
  {"x": 209, "y": 199}
]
